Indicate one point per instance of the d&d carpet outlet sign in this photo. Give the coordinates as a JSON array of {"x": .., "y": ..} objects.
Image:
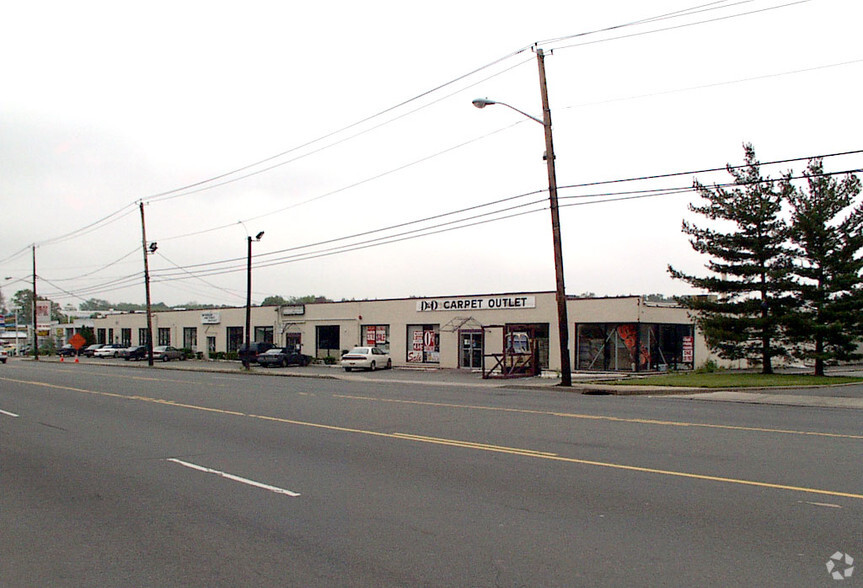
[{"x": 476, "y": 303}]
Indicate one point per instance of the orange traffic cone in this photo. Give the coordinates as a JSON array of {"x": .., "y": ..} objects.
[
  {"x": 76, "y": 359},
  {"x": 61, "y": 359}
]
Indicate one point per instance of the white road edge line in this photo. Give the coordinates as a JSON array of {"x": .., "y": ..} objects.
[
  {"x": 235, "y": 478},
  {"x": 11, "y": 414}
]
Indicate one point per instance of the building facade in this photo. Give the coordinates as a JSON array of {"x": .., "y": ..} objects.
[{"x": 606, "y": 334}]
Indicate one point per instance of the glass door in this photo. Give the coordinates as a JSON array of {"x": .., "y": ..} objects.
[{"x": 471, "y": 349}]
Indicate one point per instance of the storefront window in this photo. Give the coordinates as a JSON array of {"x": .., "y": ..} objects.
[
  {"x": 634, "y": 347},
  {"x": 328, "y": 340},
  {"x": 235, "y": 338},
  {"x": 263, "y": 334},
  {"x": 423, "y": 344},
  {"x": 190, "y": 338},
  {"x": 126, "y": 337},
  {"x": 376, "y": 336},
  {"x": 538, "y": 340},
  {"x": 142, "y": 336},
  {"x": 164, "y": 336}
]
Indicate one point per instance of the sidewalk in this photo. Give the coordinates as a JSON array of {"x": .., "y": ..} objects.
[{"x": 825, "y": 397}]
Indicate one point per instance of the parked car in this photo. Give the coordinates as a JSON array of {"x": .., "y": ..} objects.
[
  {"x": 91, "y": 349},
  {"x": 167, "y": 353},
  {"x": 251, "y": 353},
  {"x": 110, "y": 350},
  {"x": 67, "y": 351},
  {"x": 282, "y": 357},
  {"x": 4, "y": 355},
  {"x": 370, "y": 358},
  {"x": 134, "y": 353}
]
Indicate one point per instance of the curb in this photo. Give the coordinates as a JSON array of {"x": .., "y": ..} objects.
[{"x": 757, "y": 395}]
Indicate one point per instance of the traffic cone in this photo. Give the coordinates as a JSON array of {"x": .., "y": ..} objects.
[
  {"x": 61, "y": 359},
  {"x": 76, "y": 359}
]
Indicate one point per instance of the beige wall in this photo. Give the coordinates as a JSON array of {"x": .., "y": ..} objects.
[{"x": 447, "y": 313}]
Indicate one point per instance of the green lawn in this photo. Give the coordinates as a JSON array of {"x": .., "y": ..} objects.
[{"x": 735, "y": 380}]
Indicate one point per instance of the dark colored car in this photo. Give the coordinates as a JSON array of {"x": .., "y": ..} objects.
[
  {"x": 89, "y": 350},
  {"x": 135, "y": 353},
  {"x": 282, "y": 357},
  {"x": 67, "y": 351},
  {"x": 250, "y": 354}
]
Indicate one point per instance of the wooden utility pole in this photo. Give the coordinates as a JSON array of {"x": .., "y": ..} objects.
[
  {"x": 147, "y": 288},
  {"x": 35, "y": 325},
  {"x": 562, "y": 320}
]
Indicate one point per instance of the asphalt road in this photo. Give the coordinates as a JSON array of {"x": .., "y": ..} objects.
[{"x": 131, "y": 477}]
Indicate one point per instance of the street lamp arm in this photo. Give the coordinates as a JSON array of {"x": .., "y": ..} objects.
[{"x": 483, "y": 102}]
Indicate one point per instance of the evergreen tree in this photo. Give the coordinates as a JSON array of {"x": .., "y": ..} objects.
[
  {"x": 826, "y": 236},
  {"x": 740, "y": 319}
]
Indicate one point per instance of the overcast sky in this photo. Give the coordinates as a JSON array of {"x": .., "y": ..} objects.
[{"x": 320, "y": 121}]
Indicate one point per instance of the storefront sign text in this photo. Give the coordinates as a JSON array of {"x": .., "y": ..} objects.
[
  {"x": 491, "y": 303},
  {"x": 211, "y": 318}
]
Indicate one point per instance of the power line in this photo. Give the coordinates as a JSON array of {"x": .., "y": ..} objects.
[
  {"x": 676, "y": 14},
  {"x": 682, "y": 26},
  {"x": 712, "y": 169},
  {"x": 176, "y": 192},
  {"x": 225, "y": 290},
  {"x": 601, "y": 198},
  {"x": 715, "y": 84},
  {"x": 209, "y": 269}
]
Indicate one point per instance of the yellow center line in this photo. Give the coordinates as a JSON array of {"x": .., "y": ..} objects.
[
  {"x": 460, "y": 444},
  {"x": 592, "y": 417}
]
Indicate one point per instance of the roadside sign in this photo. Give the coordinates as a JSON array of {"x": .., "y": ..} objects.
[{"x": 77, "y": 341}]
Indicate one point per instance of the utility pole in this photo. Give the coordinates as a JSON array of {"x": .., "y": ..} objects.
[
  {"x": 147, "y": 286},
  {"x": 35, "y": 330},
  {"x": 562, "y": 320},
  {"x": 248, "y": 305},
  {"x": 246, "y": 362}
]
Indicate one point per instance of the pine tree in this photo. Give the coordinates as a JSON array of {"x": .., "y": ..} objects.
[
  {"x": 826, "y": 236},
  {"x": 740, "y": 318}
]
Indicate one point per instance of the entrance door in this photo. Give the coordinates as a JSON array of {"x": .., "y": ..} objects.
[
  {"x": 293, "y": 341},
  {"x": 471, "y": 349}
]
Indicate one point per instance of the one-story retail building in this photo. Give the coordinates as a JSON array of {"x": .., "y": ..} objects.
[{"x": 606, "y": 334}]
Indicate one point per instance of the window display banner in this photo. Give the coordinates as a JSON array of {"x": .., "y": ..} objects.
[{"x": 43, "y": 313}]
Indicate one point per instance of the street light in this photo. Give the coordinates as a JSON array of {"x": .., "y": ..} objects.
[
  {"x": 560, "y": 295},
  {"x": 249, "y": 298}
]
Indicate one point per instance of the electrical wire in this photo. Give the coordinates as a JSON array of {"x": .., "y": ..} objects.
[
  {"x": 358, "y": 183},
  {"x": 676, "y": 14},
  {"x": 225, "y": 290},
  {"x": 599, "y": 198},
  {"x": 713, "y": 85},
  {"x": 461, "y": 224},
  {"x": 103, "y": 268},
  {"x": 234, "y": 265},
  {"x": 175, "y": 192},
  {"x": 682, "y": 26}
]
